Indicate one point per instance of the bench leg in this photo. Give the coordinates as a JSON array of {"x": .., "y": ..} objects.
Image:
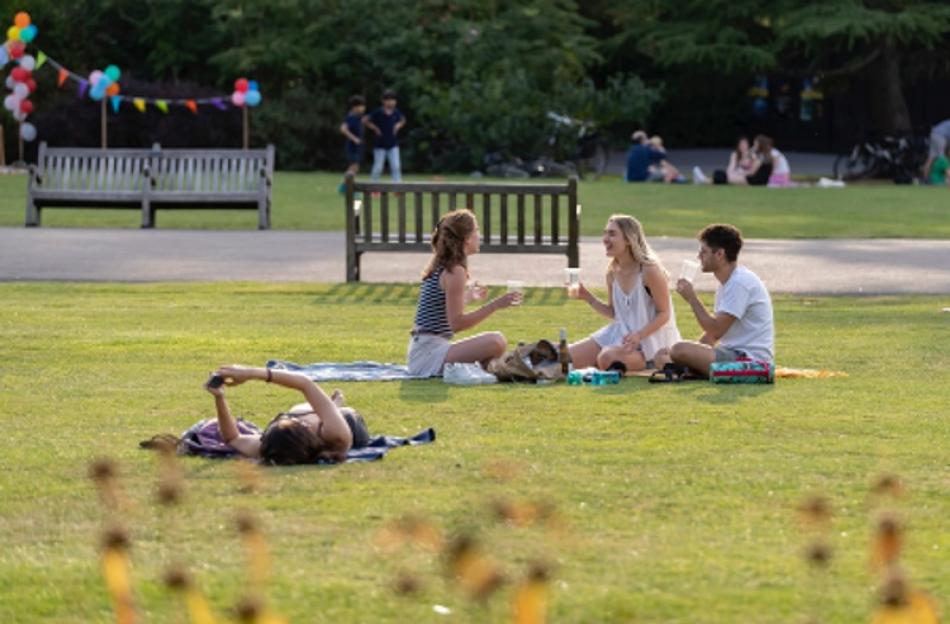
[
  {"x": 32, "y": 212},
  {"x": 148, "y": 215},
  {"x": 263, "y": 214},
  {"x": 353, "y": 267}
]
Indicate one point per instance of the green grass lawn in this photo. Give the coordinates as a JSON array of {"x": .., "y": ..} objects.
[
  {"x": 674, "y": 502},
  {"x": 309, "y": 201}
]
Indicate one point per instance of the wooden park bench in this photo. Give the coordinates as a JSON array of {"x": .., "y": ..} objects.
[
  {"x": 149, "y": 179},
  {"x": 513, "y": 218}
]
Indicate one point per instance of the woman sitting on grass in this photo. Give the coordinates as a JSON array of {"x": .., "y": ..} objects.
[
  {"x": 320, "y": 429},
  {"x": 638, "y": 303},
  {"x": 443, "y": 294}
]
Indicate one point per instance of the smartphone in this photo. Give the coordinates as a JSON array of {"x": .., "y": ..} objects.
[{"x": 216, "y": 381}]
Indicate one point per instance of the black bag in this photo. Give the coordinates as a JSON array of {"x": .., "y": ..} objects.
[{"x": 720, "y": 177}]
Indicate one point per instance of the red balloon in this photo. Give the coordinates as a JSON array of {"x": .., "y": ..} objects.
[
  {"x": 240, "y": 85},
  {"x": 19, "y": 74},
  {"x": 26, "y": 106},
  {"x": 31, "y": 85},
  {"x": 16, "y": 49}
]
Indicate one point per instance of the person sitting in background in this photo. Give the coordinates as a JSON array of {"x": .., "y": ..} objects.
[
  {"x": 781, "y": 172},
  {"x": 664, "y": 170},
  {"x": 762, "y": 169},
  {"x": 939, "y": 173},
  {"x": 640, "y": 157},
  {"x": 742, "y": 160},
  {"x": 939, "y": 135}
]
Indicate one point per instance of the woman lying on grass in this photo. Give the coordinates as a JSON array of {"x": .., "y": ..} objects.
[
  {"x": 443, "y": 295},
  {"x": 320, "y": 429}
]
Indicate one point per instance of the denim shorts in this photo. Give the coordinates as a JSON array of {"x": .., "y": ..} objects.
[{"x": 726, "y": 354}]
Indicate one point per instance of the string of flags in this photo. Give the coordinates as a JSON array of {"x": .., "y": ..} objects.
[{"x": 98, "y": 85}]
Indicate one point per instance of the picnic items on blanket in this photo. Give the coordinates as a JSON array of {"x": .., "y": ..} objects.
[
  {"x": 466, "y": 374},
  {"x": 591, "y": 376},
  {"x": 742, "y": 371},
  {"x": 528, "y": 363},
  {"x": 362, "y": 370},
  {"x": 204, "y": 439},
  {"x": 673, "y": 373}
]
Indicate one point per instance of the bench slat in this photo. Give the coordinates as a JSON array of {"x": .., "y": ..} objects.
[
  {"x": 504, "y": 219},
  {"x": 538, "y": 221},
  {"x": 384, "y": 216},
  {"x": 401, "y": 199},
  {"x": 555, "y": 211},
  {"x": 418, "y": 206},
  {"x": 486, "y": 217},
  {"x": 521, "y": 224}
]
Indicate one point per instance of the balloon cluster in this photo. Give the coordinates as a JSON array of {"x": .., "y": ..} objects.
[
  {"x": 20, "y": 80},
  {"x": 246, "y": 93},
  {"x": 103, "y": 83}
]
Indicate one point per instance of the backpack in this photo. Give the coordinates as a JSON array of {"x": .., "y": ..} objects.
[{"x": 528, "y": 363}]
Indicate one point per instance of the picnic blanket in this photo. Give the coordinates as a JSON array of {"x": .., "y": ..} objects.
[
  {"x": 346, "y": 371},
  {"x": 204, "y": 439}
]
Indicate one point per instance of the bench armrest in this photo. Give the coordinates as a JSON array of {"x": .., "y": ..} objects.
[{"x": 35, "y": 176}]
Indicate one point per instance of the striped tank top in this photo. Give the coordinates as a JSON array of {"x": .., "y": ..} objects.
[{"x": 431, "y": 317}]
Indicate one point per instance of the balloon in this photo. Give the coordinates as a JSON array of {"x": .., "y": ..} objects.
[
  {"x": 97, "y": 93},
  {"x": 4, "y": 57},
  {"x": 11, "y": 102},
  {"x": 113, "y": 72},
  {"x": 28, "y": 34},
  {"x": 28, "y": 132},
  {"x": 19, "y": 115},
  {"x": 30, "y": 84},
  {"x": 94, "y": 77},
  {"x": 252, "y": 98},
  {"x": 10, "y": 82},
  {"x": 21, "y": 19},
  {"x": 28, "y": 62},
  {"x": 237, "y": 98},
  {"x": 113, "y": 89},
  {"x": 19, "y": 74},
  {"x": 16, "y": 49},
  {"x": 252, "y": 85},
  {"x": 13, "y": 34},
  {"x": 21, "y": 90},
  {"x": 240, "y": 85},
  {"x": 26, "y": 106}
]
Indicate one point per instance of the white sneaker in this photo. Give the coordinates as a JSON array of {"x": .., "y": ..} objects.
[
  {"x": 466, "y": 374},
  {"x": 698, "y": 176}
]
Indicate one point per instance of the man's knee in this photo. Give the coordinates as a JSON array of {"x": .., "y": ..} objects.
[{"x": 498, "y": 344}]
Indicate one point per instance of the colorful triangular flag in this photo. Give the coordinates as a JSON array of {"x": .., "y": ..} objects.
[
  {"x": 63, "y": 75},
  {"x": 139, "y": 104},
  {"x": 83, "y": 87},
  {"x": 161, "y": 105},
  {"x": 192, "y": 106},
  {"x": 40, "y": 59},
  {"x": 116, "y": 100}
]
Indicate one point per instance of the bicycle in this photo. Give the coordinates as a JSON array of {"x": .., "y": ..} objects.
[{"x": 899, "y": 158}]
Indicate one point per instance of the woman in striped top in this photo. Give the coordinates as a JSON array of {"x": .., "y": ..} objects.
[{"x": 443, "y": 296}]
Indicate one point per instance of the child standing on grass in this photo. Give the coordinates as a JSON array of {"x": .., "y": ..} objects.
[
  {"x": 352, "y": 129},
  {"x": 386, "y": 122}
]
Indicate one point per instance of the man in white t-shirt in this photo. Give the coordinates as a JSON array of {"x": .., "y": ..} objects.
[{"x": 742, "y": 323}]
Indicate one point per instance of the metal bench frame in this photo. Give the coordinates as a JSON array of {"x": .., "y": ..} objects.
[
  {"x": 149, "y": 179},
  {"x": 547, "y": 236}
]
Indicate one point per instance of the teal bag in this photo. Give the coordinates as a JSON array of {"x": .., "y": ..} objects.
[{"x": 742, "y": 371}]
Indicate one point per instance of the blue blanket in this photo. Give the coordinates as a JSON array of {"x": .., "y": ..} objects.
[{"x": 346, "y": 371}]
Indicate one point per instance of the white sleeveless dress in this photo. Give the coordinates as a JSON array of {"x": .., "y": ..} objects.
[{"x": 633, "y": 312}]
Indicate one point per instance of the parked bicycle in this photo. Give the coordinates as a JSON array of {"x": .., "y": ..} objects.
[{"x": 899, "y": 158}]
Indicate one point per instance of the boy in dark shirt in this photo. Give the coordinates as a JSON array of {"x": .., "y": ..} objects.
[
  {"x": 352, "y": 129},
  {"x": 386, "y": 121}
]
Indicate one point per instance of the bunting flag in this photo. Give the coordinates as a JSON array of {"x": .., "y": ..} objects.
[{"x": 140, "y": 103}]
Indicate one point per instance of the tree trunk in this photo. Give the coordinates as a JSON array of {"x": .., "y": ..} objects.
[{"x": 886, "y": 105}]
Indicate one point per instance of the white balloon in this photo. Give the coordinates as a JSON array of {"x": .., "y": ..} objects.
[
  {"x": 28, "y": 132},
  {"x": 11, "y": 102},
  {"x": 27, "y": 62},
  {"x": 21, "y": 90},
  {"x": 19, "y": 115},
  {"x": 10, "y": 82}
]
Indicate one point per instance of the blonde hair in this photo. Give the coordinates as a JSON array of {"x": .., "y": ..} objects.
[
  {"x": 448, "y": 241},
  {"x": 637, "y": 244}
]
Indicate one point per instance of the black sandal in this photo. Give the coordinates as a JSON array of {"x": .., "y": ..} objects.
[{"x": 670, "y": 373}]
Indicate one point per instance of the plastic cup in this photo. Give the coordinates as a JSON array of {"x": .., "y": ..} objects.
[
  {"x": 516, "y": 286},
  {"x": 572, "y": 279},
  {"x": 688, "y": 270}
]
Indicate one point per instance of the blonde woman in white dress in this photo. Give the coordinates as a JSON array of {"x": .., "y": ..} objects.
[{"x": 638, "y": 303}]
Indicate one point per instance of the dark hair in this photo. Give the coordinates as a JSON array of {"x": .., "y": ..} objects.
[
  {"x": 740, "y": 140},
  {"x": 723, "y": 236},
  {"x": 356, "y": 100},
  {"x": 764, "y": 145},
  {"x": 389, "y": 94},
  {"x": 287, "y": 441},
  {"x": 448, "y": 241}
]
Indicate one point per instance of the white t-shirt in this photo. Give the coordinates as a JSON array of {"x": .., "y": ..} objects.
[
  {"x": 753, "y": 332},
  {"x": 779, "y": 163}
]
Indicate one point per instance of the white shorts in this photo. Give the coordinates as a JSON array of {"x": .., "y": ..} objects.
[{"x": 425, "y": 355}]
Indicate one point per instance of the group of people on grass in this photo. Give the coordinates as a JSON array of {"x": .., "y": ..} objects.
[
  {"x": 641, "y": 332},
  {"x": 755, "y": 164}
]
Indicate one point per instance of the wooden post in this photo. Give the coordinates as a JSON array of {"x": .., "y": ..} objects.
[
  {"x": 247, "y": 126},
  {"x": 105, "y": 141},
  {"x": 352, "y": 228}
]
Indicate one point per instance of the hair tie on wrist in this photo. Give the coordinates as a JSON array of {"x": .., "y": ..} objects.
[{"x": 270, "y": 376}]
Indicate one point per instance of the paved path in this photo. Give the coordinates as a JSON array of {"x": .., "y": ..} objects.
[{"x": 797, "y": 266}]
